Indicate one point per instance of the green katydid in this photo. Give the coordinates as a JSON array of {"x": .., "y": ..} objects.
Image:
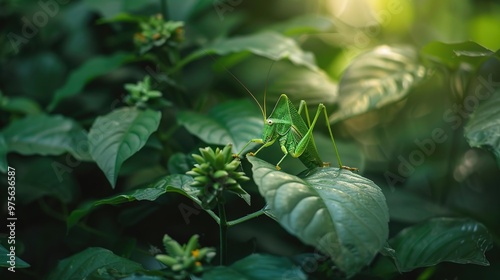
[{"x": 286, "y": 125}]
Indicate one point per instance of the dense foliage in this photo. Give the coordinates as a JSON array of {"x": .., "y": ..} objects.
[{"x": 130, "y": 139}]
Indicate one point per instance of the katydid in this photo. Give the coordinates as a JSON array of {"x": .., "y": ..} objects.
[{"x": 286, "y": 125}]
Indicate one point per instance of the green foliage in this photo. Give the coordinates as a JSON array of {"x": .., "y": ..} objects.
[
  {"x": 115, "y": 137},
  {"x": 94, "y": 263},
  {"x": 257, "y": 266},
  {"x": 340, "y": 213},
  {"x": 483, "y": 128},
  {"x": 173, "y": 183},
  {"x": 377, "y": 78},
  {"x": 46, "y": 135},
  {"x": 144, "y": 93},
  {"x": 269, "y": 44},
  {"x": 90, "y": 70},
  {"x": 441, "y": 239},
  {"x": 233, "y": 122},
  {"x": 5, "y": 258}
]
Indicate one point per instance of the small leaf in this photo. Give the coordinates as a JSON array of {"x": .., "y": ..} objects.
[
  {"x": 47, "y": 135},
  {"x": 90, "y": 70},
  {"x": 452, "y": 55},
  {"x": 3, "y": 154},
  {"x": 172, "y": 183},
  {"x": 268, "y": 44},
  {"x": 233, "y": 122},
  {"x": 92, "y": 262},
  {"x": 483, "y": 128},
  {"x": 5, "y": 259},
  {"x": 117, "y": 136},
  {"x": 21, "y": 105},
  {"x": 377, "y": 78},
  {"x": 257, "y": 267},
  {"x": 339, "y": 212},
  {"x": 441, "y": 240}
]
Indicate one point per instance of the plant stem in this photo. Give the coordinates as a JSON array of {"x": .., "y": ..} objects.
[
  {"x": 213, "y": 215},
  {"x": 245, "y": 218},
  {"x": 222, "y": 233}
]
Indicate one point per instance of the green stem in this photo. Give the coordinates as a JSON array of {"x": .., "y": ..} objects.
[
  {"x": 245, "y": 218},
  {"x": 213, "y": 215},
  {"x": 222, "y": 233}
]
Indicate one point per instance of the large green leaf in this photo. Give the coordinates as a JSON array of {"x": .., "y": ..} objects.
[
  {"x": 47, "y": 135},
  {"x": 483, "y": 128},
  {"x": 452, "y": 55},
  {"x": 172, "y": 183},
  {"x": 233, "y": 122},
  {"x": 90, "y": 70},
  {"x": 441, "y": 240},
  {"x": 3, "y": 154},
  {"x": 93, "y": 263},
  {"x": 5, "y": 259},
  {"x": 115, "y": 137},
  {"x": 301, "y": 83},
  {"x": 269, "y": 44},
  {"x": 257, "y": 267},
  {"x": 339, "y": 212},
  {"x": 377, "y": 78}
]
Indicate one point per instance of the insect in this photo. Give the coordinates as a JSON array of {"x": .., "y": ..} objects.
[{"x": 286, "y": 126}]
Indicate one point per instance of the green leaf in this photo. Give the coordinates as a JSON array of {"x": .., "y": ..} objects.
[
  {"x": 233, "y": 122},
  {"x": 90, "y": 70},
  {"x": 180, "y": 163},
  {"x": 339, "y": 212},
  {"x": 441, "y": 240},
  {"x": 374, "y": 79},
  {"x": 5, "y": 259},
  {"x": 452, "y": 55},
  {"x": 92, "y": 263},
  {"x": 143, "y": 277},
  {"x": 300, "y": 83},
  {"x": 21, "y": 105},
  {"x": 257, "y": 267},
  {"x": 172, "y": 183},
  {"x": 115, "y": 137},
  {"x": 47, "y": 135},
  {"x": 269, "y": 44},
  {"x": 3, "y": 154},
  {"x": 483, "y": 128}
]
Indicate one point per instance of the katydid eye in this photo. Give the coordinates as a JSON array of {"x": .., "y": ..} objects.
[{"x": 269, "y": 121}]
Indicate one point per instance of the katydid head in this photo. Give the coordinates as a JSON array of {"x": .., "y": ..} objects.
[{"x": 269, "y": 134}]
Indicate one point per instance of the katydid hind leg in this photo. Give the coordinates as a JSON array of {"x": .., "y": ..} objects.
[
  {"x": 303, "y": 143},
  {"x": 333, "y": 140}
]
